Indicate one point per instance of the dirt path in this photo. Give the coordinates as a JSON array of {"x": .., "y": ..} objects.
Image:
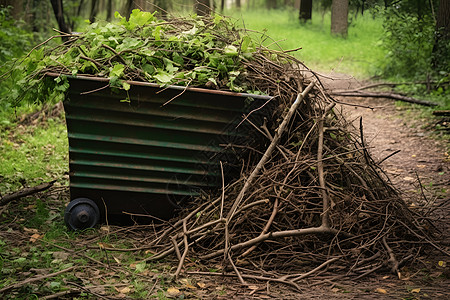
[{"x": 389, "y": 129}]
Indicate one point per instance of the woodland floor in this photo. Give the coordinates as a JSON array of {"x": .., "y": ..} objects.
[{"x": 422, "y": 161}]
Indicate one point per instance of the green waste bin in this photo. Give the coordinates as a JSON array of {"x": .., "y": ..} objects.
[{"x": 130, "y": 154}]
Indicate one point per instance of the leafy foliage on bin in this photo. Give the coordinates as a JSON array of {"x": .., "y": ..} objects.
[{"x": 206, "y": 52}]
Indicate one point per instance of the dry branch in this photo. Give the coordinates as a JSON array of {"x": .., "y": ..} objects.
[
  {"x": 26, "y": 192},
  {"x": 270, "y": 149},
  {"x": 357, "y": 93},
  {"x": 34, "y": 279}
]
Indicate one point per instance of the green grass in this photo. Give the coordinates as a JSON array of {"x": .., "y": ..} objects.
[
  {"x": 30, "y": 155},
  {"x": 359, "y": 54}
]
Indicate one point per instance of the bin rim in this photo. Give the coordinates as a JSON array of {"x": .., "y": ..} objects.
[{"x": 173, "y": 87}]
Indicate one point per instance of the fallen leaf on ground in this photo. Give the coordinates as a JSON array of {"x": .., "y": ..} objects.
[
  {"x": 201, "y": 285},
  {"x": 187, "y": 284},
  {"x": 35, "y": 237},
  {"x": 60, "y": 255},
  {"x": 408, "y": 178},
  {"x": 117, "y": 260},
  {"x": 173, "y": 292},
  {"x": 415, "y": 291},
  {"x": 105, "y": 245},
  {"x": 34, "y": 230},
  {"x": 381, "y": 291},
  {"x": 104, "y": 228}
]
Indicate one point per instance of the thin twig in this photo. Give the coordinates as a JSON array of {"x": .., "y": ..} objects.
[{"x": 34, "y": 279}]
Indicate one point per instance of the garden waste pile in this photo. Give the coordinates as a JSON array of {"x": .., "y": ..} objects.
[{"x": 312, "y": 200}]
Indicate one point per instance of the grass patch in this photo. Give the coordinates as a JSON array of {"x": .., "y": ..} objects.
[
  {"x": 30, "y": 155},
  {"x": 360, "y": 54}
]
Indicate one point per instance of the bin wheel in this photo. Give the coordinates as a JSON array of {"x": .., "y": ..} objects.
[{"x": 81, "y": 213}]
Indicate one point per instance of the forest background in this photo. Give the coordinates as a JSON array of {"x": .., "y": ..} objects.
[{"x": 396, "y": 40}]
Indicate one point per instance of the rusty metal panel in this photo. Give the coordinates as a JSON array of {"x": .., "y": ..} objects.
[{"x": 145, "y": 157}]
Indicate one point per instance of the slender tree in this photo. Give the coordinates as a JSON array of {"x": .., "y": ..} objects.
[
  {"x": 17, "y": 7},
  {"x": 339, "y": 17},
  {"x": 441, "y": 47},
  {"x": 238, "y": 4},
  {"x": 94, "y": 10},
  {"x": 109, "y": 11},
  {"x": 305, "y": 10},
  {"x": 271, "y": 4},
  {"x": 58, "y": 10}
]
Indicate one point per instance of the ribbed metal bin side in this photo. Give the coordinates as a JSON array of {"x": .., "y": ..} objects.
[{"x": 142, "y": 156}]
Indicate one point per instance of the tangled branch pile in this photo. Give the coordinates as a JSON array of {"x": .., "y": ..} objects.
[{"x": 315, "y": 201}]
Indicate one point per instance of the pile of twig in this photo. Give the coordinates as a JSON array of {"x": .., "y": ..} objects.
[{"x": 315, "y": 201}]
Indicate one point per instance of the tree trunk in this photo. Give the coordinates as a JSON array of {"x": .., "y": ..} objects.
[
  {"x": 339, "y": 17},
  {"x": 203, "y": 7},
  {"x": 271, "y": 4},
  {"x": 134, "y": 4},
  {"x": 17, "y": 7},
  {"x": 441, "y": 48},
  {"x": 94, "y": 11},
  {"x": 222, "y": 5},
  {"x": 109, "y": 11},
  {"x": 238, "y": 4},
  {"x": 58, "y": 10},
  {"x": 305, "y": 10}
]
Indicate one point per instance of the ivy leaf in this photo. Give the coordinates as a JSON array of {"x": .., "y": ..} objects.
[
  {"x": 139, "y": 18},
  {"x": 116, "y": 71},
  {"x": 230, "y": 50},
  {"x": 126, "y": 86},
  {"x": 163, "y": 77},
  {"x": 157, "y": 33},
  {"x": 245, "y": 43}
]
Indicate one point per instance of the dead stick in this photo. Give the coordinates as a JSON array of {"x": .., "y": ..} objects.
[
  {"x": 236, "y": 270},
  {"x": 175, "y": 246},
  {"x": 34, "y": 279},
  {"x": 26, "y": 192},
  {"x": 186, "y": 248},
  {"x": 315, "y": 269},
  {"x": 269, "y": 150},
  {"x": 276, "y": 235},
  {"x": 61, "y": 294},
  {"x": 385, "y": 95},
  {"x": 247, "y": 276},
  {"x": 324, "y": 192},
  {"x": 266, "y": 227},
  {"x": 392, "y": 260}
]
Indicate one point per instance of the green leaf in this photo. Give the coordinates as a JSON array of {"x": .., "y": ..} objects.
[
  {"x": 163, "y": 77},
  {"x": 157, "y": 33},
  {"x": 140, "y": 267},
  {"x": 230, "y": 50},
  {"x": 116, "y": 71},
  {"x": 246, "y": 40},
  {"x": 126, "y": 86},
  {"x": 140, "y": 18}
]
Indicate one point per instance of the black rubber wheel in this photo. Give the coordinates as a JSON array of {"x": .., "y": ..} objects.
[{"x": 81, "y": 213}]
